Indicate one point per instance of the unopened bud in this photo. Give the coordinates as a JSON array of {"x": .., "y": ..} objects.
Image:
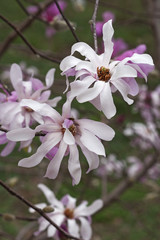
[
  {"x": 8, "y": 217},
  {"x": 59, "y": 24},
  {"x": 12, "y": 181},
  {"x": 48, "y": 209}
]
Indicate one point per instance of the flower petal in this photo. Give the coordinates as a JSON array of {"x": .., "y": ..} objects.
[
  {"x": 68, "y": 137},
  {"x": 73, "y": 227},
  {"x": 68, "y": 62},
  {"x": 50, "y": 77},
  {"x": 94, "y": 207},
  {"x": 16, "y": 79},
  {"x": 91, "y": 142},
  {"x": 85, "y": 230},
  {"x": 99, "y": 129},
  {"x": 74, "y": 164},
  {"x": 21, "y": 134},
  {"x": 107, "y": 104},
  {"x": 54, "y": 165}
]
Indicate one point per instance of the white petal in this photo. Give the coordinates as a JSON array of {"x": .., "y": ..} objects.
[
  {"x": 85, "y": 50},
  {"x": 85, "y": 65},
  {"x": 45, "y": 147},
  {"x": 54, "y": 165},
  {"x": 91, "y": 93},
  {"x": 41, "y": 108},
  {"x": 50, "y": 77},
  {"x": 124, "y": 89},
  {"x": 51, "y": 231},
  {"x": 53, "y": 102},
  {"x": 107, "y": 104},
  {"x": 122, "y": 71},
  {"x": 48, "y": 194},
  {"x": 92, "y": 158},
  {"x": 16, "y": 79},
  {"x": 99, "y": 129},
  {"x": 141, "y": 58},
  {"x": 39, "y": 205},
  {"x": 85, "y": 230},
  {"x": 94, "y": 207},
  {"x": 69, "y": 62},
  {"x": 68, "y": 137},
  {"x": 92, "y": 143},
  {"x": 21, "y": 134},
  {"x": 74, "y": 164},
  {"x": 71, "y": 202},
  {"x": 108, "y": 44},
  {"x": 73, "y": 227}
]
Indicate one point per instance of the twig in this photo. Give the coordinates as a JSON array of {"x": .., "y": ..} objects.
[
  {"x": 24, "y": 26},
  {"x": 7, "y": 216},
  {"x": 22, "y": 7},
  {"x": 34, "y": 51},
  {"x": 38, "y": 210},
  {"x": 67, "y": 22},
  {"x": 93, "y": 25}
]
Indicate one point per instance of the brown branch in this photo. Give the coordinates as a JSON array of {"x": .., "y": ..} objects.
[
  {"x": 22, "y": 7},
  {"x": 93, "y": 25},
  {"x": 34, "y": 51},
  {"x": 27, "y": 23},
  {"x": 67, "y": 22},
  {"x": 9, "y": 217},
  {"x": 38, "y": 210}
]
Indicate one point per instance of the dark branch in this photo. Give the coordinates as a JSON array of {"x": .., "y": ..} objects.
[{"x": 93, "y": 25}]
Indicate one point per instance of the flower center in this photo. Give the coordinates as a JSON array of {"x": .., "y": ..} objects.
[
  {"x": 69, "y": 123},
  {"x": 69, "y": 213},
  {"x": 28, "y": 109},
  {"x": 103, "y": 74}
]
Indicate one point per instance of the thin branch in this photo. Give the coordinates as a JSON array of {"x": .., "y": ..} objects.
[
  {"x": 38, "y": 210},
  {"x": 67, "y": 22},
  {"x": 10, "y": 216},
  {"x": 27, "y": 23},
  {"x": 93, "y": 25},
  {"x": 34, "y": 51},
  {"x": 22, "y": 7}
]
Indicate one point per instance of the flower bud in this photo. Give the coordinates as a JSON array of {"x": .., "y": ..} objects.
[
  {"x": 48, "y": 209},
  {"x": 8, "y": 217}
]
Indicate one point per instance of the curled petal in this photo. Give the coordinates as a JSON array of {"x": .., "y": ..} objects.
[{"x": 50, "y": 77}]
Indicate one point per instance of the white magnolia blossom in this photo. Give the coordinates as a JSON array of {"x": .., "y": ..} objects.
[
  {"x": 76, "y": 220},
  {"x": 66, "y": 134},
  {"x": 97, "y": 76}
]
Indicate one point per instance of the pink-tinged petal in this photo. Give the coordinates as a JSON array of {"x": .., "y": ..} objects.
[
  {"x": 51, "y": 231},
  {"x": 107, "y": 104},
  {"x": 8, "y": 149},
  {"x": 91, "y": 93},
  {"x": 38, "y": 118},
  {"x": 27, "y": 88},
  {"x": 96, "y": 102},
  {"x": 50, "y": 77},
  {"x": 43, "y": 224},
  {"x": 52, "y": 127},
  {"x": 53, "y": 102},
  {"x": 139, "y": 59},
  {"x": 85, "y": 229},
  {"x": 108, "y": 15},
  {"x": 119, "y": 46},
  {"x": 44, "y": 96},
  {"x": 107, "y": 39},
  {"x": 80, "y": 208},
  {"x": 21, "y": 134},
  {"x": 41, "y": 108},
  {"x": 94, "y": 207},
  {"x": 16, "y": 79},
  {"x": 73, "y": 227},
  {"x": 139, "y": 70},
  {"x": 91, "y": 142},
  {"x": 68, "y": 62},
  {"x": 78, "y": 87},
  {"x": 99, "y": 129},
  {"x": 122, "y": 71},
  {"x": 140, "y": 49},
  {"x": 3, "y": 138},
  {"x": 92, "y": 158},
  {"x": 134, "y": 88},
  {"x": 58, "y": 219},
  {"x": 66, "y": 109},
  {"x": 68, "y": 137},
  {"x": 74, "y": 164},
  {"x": 54, "y": 165},
  {"x": 39, "y": 205},
  {"x": 85, "y": 50},
  {"x": 99, "y": 26},
  {"x": 36, "y": 84},
  {"x": 45, "y": 147},
  {"x": 146, "y": 69},
  {"x": 50, "y": 196},
  {"x": 124, "y": 89}
]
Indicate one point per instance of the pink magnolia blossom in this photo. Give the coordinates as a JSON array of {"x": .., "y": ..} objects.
[
  {"x": 76, "y": 220},
  {"x": 98, "y": 76},
  {"x": 67, "y": 134},
  {"x": 106, "y": 16}
]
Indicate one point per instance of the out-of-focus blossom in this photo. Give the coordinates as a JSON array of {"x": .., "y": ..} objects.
[
  {"x": 106, "y": 16},
  {"x": 135, "y": 165},
  {"x": 67, "y": 134},
  {"x": 13, "y": 115},
  {"x": 50, "y": 15},
  {"x": 98, "y": 76},
  {"x": 148, "y": 103},
  {"x": 110, "y": 166},
  {"x": 76, "y": 220},
  {"x": 147, "y": 135},
  {"x": 79, "y": 5}
]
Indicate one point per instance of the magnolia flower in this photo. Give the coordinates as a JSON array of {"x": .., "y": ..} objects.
[
  {"x": 12, "y": 114},
  {"x": 67, "y": 134},
  {"x": 98, "y": 76},
  {"x": 75, "y": 220}
]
